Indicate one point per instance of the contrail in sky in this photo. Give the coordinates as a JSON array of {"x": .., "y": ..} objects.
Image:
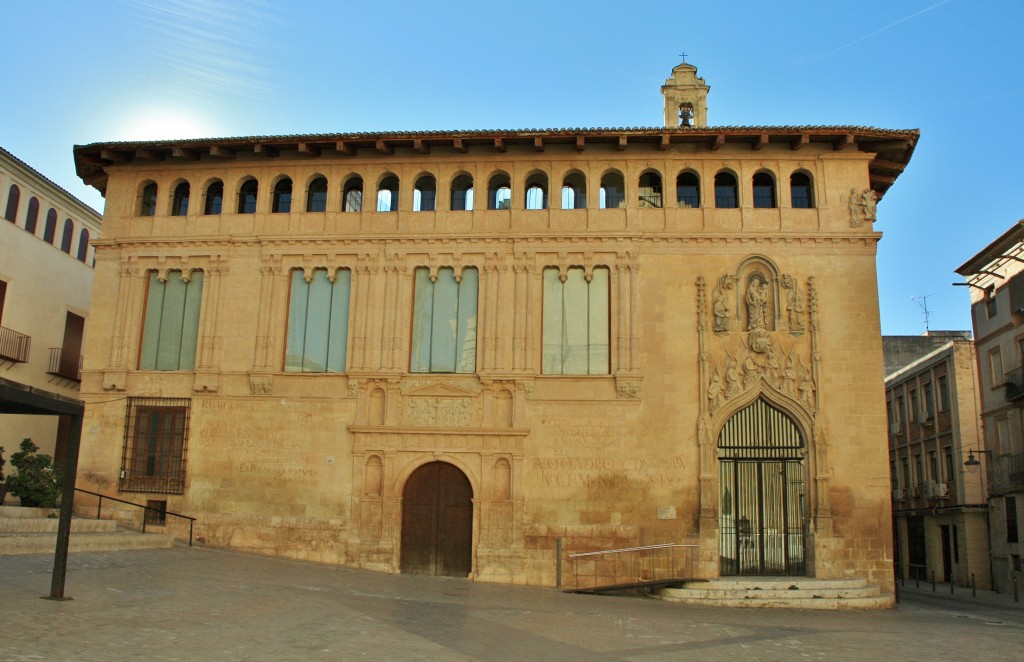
[{"x": 881, "y": 29}]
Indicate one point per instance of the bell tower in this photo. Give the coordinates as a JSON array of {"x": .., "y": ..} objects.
[{"x": 686, "y": 97}]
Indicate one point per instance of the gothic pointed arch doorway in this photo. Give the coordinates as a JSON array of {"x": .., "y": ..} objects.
[
  {"x": 761, "y": 493},
  {"x": 437, "y": 521}
]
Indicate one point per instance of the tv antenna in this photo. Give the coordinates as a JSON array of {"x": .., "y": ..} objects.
[{"x": 922, "y": 303}]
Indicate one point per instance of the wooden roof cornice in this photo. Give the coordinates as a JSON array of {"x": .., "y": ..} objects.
[{"x": 892, "y": 148}]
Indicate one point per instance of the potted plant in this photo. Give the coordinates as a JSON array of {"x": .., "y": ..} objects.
[
  {"x": 3, "y": 485},
  {"x": 38, "y": 480}
]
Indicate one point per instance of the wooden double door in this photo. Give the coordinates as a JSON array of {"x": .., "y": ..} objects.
[{"x": 437, "y": 521}]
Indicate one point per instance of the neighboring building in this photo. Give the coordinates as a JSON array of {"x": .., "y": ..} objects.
[
  {"x": 939, "y": 505},
  {"x": 448, "y": 351},
  {"x": 996, "y": 282},
  {"x": 46, "y": 272}
]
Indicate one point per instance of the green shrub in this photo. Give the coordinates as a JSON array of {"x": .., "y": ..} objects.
[{"x": 38, "y": 479}]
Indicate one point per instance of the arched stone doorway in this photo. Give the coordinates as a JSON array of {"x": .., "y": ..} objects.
[
  {"x": 761, "y": 493},
  {"x": 437, "y": 521}
]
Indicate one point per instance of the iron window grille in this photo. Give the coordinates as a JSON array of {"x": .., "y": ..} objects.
[{"x": 155, "y": 448}]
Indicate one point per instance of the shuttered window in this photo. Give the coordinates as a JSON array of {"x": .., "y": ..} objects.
[
  {"x": 318, "y": 322},
  {"x": 444, "y": 322},
  {"x": 171, "y": 327},
  {"x": 576, "y": 323}
]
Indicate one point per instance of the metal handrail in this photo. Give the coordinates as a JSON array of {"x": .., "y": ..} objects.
[
  {"x": 14, "y": 346},
  {"x": 635, "y": 568},
  {"x": 99, "y": 507},
  {"x": 623, "y": 550}
]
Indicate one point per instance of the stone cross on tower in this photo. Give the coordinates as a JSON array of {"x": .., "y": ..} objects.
[{"x": 686, "y": 97}]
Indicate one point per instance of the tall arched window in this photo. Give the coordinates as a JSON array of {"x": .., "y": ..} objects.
[
  {"x": 688, "y": 190},
  {"x": 650, "y": 192},
  {"x": 352, "y": 195},
  {"x": 424, "y": 196},
  {"x": 13, "y": 198},
  {"x": 50, "y": 232},
  {"x": 613, "y": 191},
  {"x": 179, "y": 204},
  {"x": 800, "y": 190},
  {"x": 247, "y": 196},
  {"x": 499, "y": 192},
  {"x": 574, "y": 191},
  {"x": 462, "y": 193},
  {"x": 537, "y": 191},
  {"x": 282, "y": 202},
  {"x": 387, "y": 194},
  {"x": 147, "y": 200},
  {"x": 764, "y": 191},
  {"x": 726, "y": 193},
  {"x": 214, "y": 198},
  {"x": 83, "y": 244},
  {"x": 32, "y": 218},
  {"x": 67, "y": 236},
  {"x": 316, "y": 195}
]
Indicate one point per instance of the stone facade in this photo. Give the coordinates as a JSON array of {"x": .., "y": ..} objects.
[{"x": 726, "y": 299}]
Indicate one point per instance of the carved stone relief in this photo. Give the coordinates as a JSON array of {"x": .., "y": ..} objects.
[
  {"x": 720, "y": 303},
  {"x": 628, "y": 388},
  {"x": 796, "y": 307},
  {"x": 744, "y": 368},
  {"x": 261, "y": 384},
  {"x": 862, "y": 207},
  {"x": 438, "y": 412}
]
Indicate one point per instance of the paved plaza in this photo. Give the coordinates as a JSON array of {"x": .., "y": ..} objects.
[{"x": 205, "y": 604}]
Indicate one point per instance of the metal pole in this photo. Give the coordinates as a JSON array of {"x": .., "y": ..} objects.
[
  {"x": 99, "y": 508},
  {"x": 974, "y": 587},
  {"x": 933, "y": 581},
  {"x": 1016, "y": 594},
  {"x": 191, "y": 522},
  {"x": 951, "y": 583},
  {"x": 558, "y": 557},
  {"x": 67, "y": 501}
]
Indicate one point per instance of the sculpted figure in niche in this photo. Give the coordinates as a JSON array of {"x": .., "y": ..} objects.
[
  {"x": 862, "y": 207},
  {"x": 757, "y": 303},
  {"x": 720, "y": 304},
  {"x": 715, "y": 389},
  {"x": 794, "y": 304}
]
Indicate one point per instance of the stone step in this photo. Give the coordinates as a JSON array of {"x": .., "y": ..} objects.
[
  {"x": 44, "y": 543},
  {"x": 20, "y": 512},
  {"x": 833, "y": 603},
  {"x": 49, "y": 525},
  {"x": 778, "y": 583},
  {"x": 781, "y": 594}
]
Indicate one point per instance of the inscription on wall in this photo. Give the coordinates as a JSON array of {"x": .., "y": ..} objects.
[{"x": 238, "y": 444}]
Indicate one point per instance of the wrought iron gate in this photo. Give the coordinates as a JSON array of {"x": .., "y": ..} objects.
[{"x": 761, "y": 488}]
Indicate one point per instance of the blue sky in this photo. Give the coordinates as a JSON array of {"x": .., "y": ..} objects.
[{"x": 104, "y": 70}]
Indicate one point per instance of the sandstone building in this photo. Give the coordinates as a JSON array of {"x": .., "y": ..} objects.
[
  {"x": 46, "y": 273},
  {"x": 996, "y": 281},
  {"x": 446, "y": 351}
]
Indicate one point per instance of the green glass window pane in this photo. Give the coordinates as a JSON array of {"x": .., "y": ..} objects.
[
  {"x": 338, "y": 348},
  {"x": 168, "y": 352},
  {"x": 423, "y": 306},
  {"x": 295, "y": 342},
  {"x": 151, "y": 325},
  {"x": 598, "y": 363},
  {"x": 318, "y": 323},
  {"x": 445, "y": 321},
  {"x": 576, "y": 329},
  {"x": 466, "y": 331},
  {"x": 552, "y": 323},
  {"x": 190, "y": 322}
]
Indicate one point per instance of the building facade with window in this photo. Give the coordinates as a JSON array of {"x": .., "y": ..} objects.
[
  {"x": 46, "y": 274},
  {"x": 996, "y": 282},
  {"x": 449, "y": 352},
  {"x": 939, "y": 503}
]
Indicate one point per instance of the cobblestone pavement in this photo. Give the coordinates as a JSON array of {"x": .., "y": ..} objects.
[{"x": 206, "y": 604}]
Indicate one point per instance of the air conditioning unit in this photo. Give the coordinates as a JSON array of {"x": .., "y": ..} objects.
[
  {"x": 936, "y": 490},
  {"x": 899, "y": 495},
  {"x": 926, "y": 418},
  {"x": 895, "y": 428}
]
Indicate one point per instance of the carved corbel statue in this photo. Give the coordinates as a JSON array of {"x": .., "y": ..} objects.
[{"x": 720, "y": 304}]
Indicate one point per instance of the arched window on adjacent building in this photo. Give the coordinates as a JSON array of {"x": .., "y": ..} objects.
[
  {"x": 179, "y": 203},
  {"x": 537, "y": 191},
  {"x": 214, "y": 198},
  {"x": 424, "y": 196},
  {"x": 316, "y": 195},
  {"x": 83, "y": 244},
  {"x": 387, "y": 194},
  {"x": 650, "y": 191},
  {"x": 147, "y": 200},
  {"x": 50, "y": 232},
  {"x": 613, "y": 190},
  {"x": 67, "y": 236},
  {"x": 247, "y": 196},
  {"x": 282, "y": 202},
  {"x": 688, "y": 190},
  {"x": 32, "y": 218},
  {"x": 726, "y": 191},
  {"x": 462, "y": 193},
  {"x": 800, "y": 190},
  {"x": 13, "y": 198},
  {"x": 352, "y": 195},
  {"x": 499, "y": 192},
  {"x": 574, "y": 191},
  {"x": 764, "y": 191}
]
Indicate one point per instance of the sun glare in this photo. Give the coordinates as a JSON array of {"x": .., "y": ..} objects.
[{"x": 161, "y": 124}]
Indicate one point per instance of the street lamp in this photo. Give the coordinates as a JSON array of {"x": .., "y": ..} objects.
[{"x": 973, "y": 461}]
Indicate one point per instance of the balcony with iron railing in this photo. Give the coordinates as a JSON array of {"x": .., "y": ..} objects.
[
  {"x": 1013, "y": 382},
  {"x": 1007, "y": 472},
  {"x": 65, "y": 364},
  {"x": 14, "y": 346}
]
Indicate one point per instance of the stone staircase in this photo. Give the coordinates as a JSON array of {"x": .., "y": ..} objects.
[
  {"x": 34, "y": 531},
  {"x": 793, "y": 592}
]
